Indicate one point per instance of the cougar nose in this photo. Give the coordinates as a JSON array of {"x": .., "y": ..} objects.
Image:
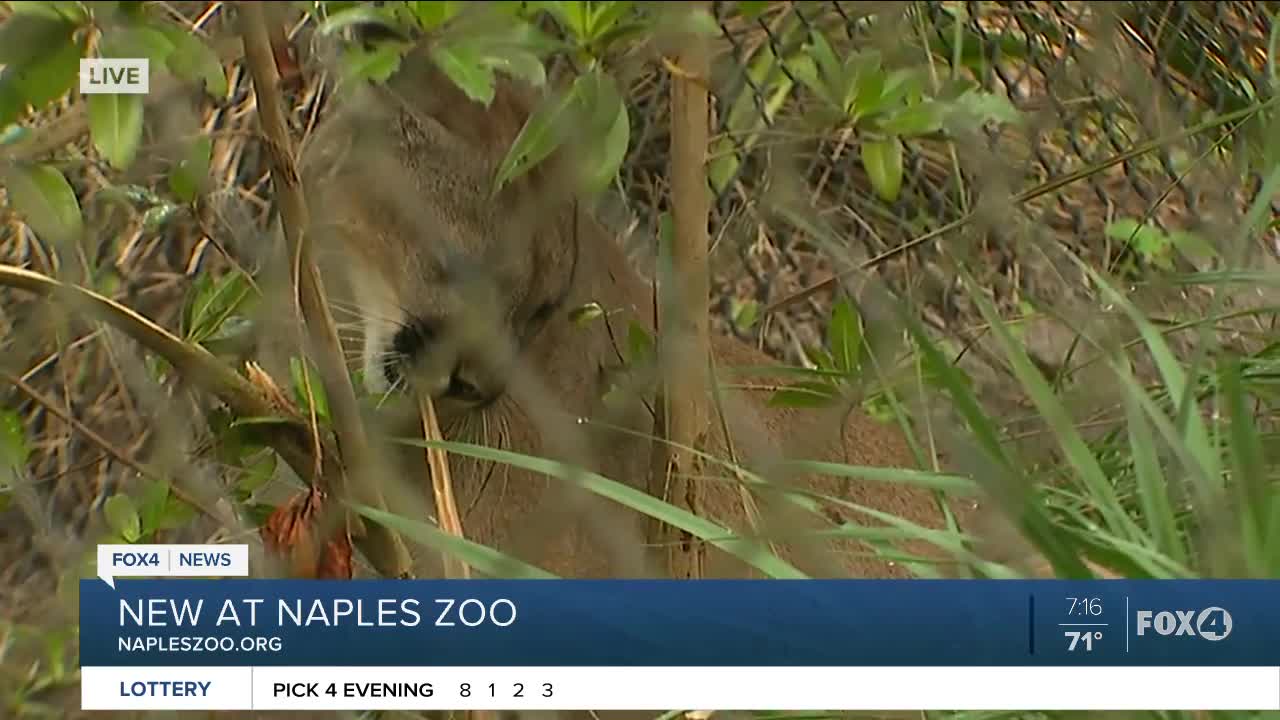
[
  {"x": 467, "y": 390},
  {"x": 436, "y": 367},
  {"x": 407, "y": 346}
]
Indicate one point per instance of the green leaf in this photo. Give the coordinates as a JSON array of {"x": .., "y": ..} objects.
[
  {"x": 575, "y": 15},
  {"x": 804, "y": 69},
  {"x": 466, "y": 69},
  {"x": 115, "y": 123},
  {"x": 50, "y": 73},
  {"x": 830, "y": 69},
  {"x": 433, "y": 14},
  {"x": 257, "y": 474},
  {"x": 1148, "y": 241},
  {"x": 606, "y": 128},
  {"x": 130, "y": 9},
  {"x": 375, "y": 64},
  {"x": 699, "y": 21},
  {"x": 214, "y": 301},
  {"x": 67, "y": 10},
  {"x": 605, "y": 15},
  {"x": 14, "y": 449},
  {"x": 122, "y": 517},
  {"x": 1193, "y": 246},
  {"x": 12, "y": 105},
  {"x": 304, "y": 374},
  {"x": 136, "y": 42},
  {"x": 862, "y": 81},
  {"x": 613, "y": 151},
  {"x": 177, "y": 514},
  {"x": 158, "y": 216},
  {"x": 189, "y": 175},
  {"x": 235, "y": 337},
  {"x": 194, "y": 61},
  {"x": 919, "y": 119},
  {"x": 128, "y": 195},
  {"x": 45, "y": 199},
  {"x": 587, "y": 313},
  {"x": 973, "y": 109},
  {"x": 538, "y": 138},
  {"x": 153, "y": 499},
  {"x": 640, "y": 346},
  {"x": 749, "y": 551},
  {"x": 745, "y": 313},
  {"x": 520, "y": 64},
  {"x": 1124, "y": 229},
  {"x": 844, "y": 337},
  {"x": 823, "y": 359},
  {"x": 362, "y": 14},
  {"x": 27, "y": 37},
  {"x": 903, "y": 86},
  {"x": 883, "y": 162}
]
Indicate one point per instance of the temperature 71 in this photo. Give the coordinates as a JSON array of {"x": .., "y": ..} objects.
[{"x": 1087, "y": 637}]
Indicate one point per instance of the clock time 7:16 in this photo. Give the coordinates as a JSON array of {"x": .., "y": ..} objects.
[{"x": 1085, "y": 608}]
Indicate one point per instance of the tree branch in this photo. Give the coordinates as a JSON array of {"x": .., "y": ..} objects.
[
  {"x": 197, "y": 365},
  {"x": 391, "y": 557}
]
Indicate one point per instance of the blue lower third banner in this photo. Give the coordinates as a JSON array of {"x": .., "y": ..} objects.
[
  {"x": 567, "y": 644},
  {"x": 712, "y": 623}
]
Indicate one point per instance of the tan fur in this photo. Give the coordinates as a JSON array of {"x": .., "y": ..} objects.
[{"x": 399, "y": 182}]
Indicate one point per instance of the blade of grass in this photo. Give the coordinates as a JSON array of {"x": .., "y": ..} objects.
[
  {"x": 1055, "y": 416},
  {"x": 483, "y": 559},
  {"x": 1017, "y": 500},
  {"x": 1248, "y": 470},
  {"x": 1176, "y": 381},
  {"x": 945, "y": 482},
  {"x": 746, "y": 550},
  {"x": 1153, "y": 489}
]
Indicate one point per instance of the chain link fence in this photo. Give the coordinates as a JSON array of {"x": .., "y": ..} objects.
[{"x": 1091, "y": 81}]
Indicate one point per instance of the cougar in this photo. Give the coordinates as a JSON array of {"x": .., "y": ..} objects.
[{"x": 475, "y": 296}]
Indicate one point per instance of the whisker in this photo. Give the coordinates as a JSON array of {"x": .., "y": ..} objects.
[
  {"x": 364, "y": 314},
  {"x": 395, "y": 386}
]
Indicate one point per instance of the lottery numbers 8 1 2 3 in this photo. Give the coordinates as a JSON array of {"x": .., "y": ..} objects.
[{"x": 517, "y": 690}]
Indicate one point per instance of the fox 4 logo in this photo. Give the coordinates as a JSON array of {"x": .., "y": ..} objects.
[{"x": 1211, "y": 623}]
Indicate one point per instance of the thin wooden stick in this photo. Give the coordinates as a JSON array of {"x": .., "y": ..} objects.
[
  {"x": 392, "y": 557},
  {"x": 442, "y": 487}
]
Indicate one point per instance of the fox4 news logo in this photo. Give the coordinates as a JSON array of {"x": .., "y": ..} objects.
[{"x": 1211, "y": 623}]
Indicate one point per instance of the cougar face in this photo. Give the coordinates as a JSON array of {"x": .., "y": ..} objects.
[{"x": 452, "y": 279}]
